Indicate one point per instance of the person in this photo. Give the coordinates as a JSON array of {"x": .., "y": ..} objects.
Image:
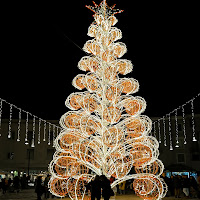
[
  {"x": 16, "y": 183},
  {"x": 39, "y": 188},
  {"x": 193, "y": 187},
  {"x": 95, "y": 188},
  {"x": 122, "y": 187},
  {"x": 3, "y": 185},
  {"x": 46, "y": 191},
  {"x": 186, "y": 186},
  {"x": 106, "y": 189},
  {"x": 171, "y": 186},
  {"x": 177, "y": 186}
]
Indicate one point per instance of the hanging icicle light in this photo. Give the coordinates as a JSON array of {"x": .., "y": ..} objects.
[
  {"x": 176, "y": 127},
  {"x": 19, "y": 124},
  {"x": 184, "y": 132},
  {"x": 193, "y": 123}
]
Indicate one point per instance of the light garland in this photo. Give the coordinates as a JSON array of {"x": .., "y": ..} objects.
[
  {"x": 164, "y": 132},
  {"x": 193, "y": 124},
  {"x": 33, "y": 138},
  {"x": 105, "y": 132},
  {"x": 170, "y": 133},
  {"x": 19, "y": 124},
  {"x": 26, "y": 133},
  {"x": 39, "y": 130},
  {"x": 10, "y": 122},
  {"x": 175, "y": 111},
  {"x": 49, "y": 136},
  {"x": 28, "y": 114},
  {"x": 184, "y": 132},
  {"x": 176, "y": 128}
]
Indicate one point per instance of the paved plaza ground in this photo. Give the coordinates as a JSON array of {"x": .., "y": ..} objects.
[{"x": 29, "y": 194}]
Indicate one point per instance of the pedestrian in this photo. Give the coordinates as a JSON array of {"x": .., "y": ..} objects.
[
  {"x": 46, "y": 191},
  {"x": 3, "y": 185},
  {"x": 186, "y": 186},
  {"x": 171, "y": 186},
  {"x": 95, "y": 188},
  {"x": 177, "y": 186},
  {"x": 106, "y": 188},
  {"x": 193, "y": 187},
  {"x": 39, "y": 188},
  {"x": 122, "y": 186},
  {"x": 16, "y": 183}
]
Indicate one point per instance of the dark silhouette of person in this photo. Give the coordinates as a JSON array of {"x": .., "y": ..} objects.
[
  {"x": 177, "y": 186},
  {"x": 46, "y": 181},
  {"x": 106, "y": 189},
  {"x": 95, "y": 188},
  {"x": 39, "y": 187},
  {"x": 16, "y": 183},
  {"x": 3, "y": 185}
]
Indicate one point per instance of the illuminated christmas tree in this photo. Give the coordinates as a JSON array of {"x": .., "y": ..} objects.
[{"x": 105, "y": 132}]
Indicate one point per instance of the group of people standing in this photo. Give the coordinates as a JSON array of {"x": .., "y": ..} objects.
[
  {"x": 100, "y": 186},
  {"x": 14, "y": 185},
  {"x": 182, "y": 184}
]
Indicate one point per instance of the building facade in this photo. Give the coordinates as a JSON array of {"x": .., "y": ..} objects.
[{"x": 27, "y": 148}]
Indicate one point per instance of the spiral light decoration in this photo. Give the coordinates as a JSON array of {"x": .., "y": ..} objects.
[{"x": 104, "y": 132}]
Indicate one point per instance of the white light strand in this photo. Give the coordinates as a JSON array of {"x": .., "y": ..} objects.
[
  {"x": 176, "y": 127},
  {"x": 19, "y": 125},
  {"x": 20, "y": 110},
  {"x": 26, "y": 133},
  {"x": 33, "y": 138},
  {"x": 49, "y": 136},
  {"x": 39, "y": 129},
  {"x": 10, "y": 122},
  {"x": 45, "y": 126},
  {"x": 159, "y": 135},
  {"x": 193, "y": 123},
  {"x": 170, "y": 134},
  {"x": 184, "y": 132},
  {"x": 164, "y": 132},
  {"x": 188, "y": 102},
  {"x": 1, "y": 108},
  {"x": 53, "y": 135},
  {"x": 154, "y": 126}
]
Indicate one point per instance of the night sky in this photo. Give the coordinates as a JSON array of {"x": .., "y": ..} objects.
[{"x": 39, "y": 55}]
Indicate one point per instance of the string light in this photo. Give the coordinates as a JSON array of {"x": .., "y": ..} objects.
[
  {"x": 10, "y": 122},
  {"x": 39, "y": 129},
  {"x": 164, "y": 132},
  {"x": 44, "y": 138},
  {"x": 176, "y": 125},
  {"x": 105, "y": 132},
  {"x": 154, "y": 125},
  {"x": 159, "y": 135},
  {"x": 33, "y": 138},
  {"x": 184, "y": 132},
  {"x": 53, "y": 134},
  {"x": 18, "y": 128},
  {"x": 20, "y": 114},
  {"x": 170, "y": 134},
  {"x": 193, "y": 124},
  {"x": 191, "y": 102},
  {"x": 49, "y": 136},
  {"x": 26, "y": 134}
]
